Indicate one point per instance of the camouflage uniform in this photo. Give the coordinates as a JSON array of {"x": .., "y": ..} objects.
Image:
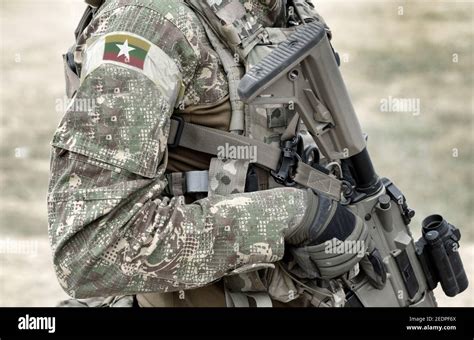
[{"x": 112, "y": 230}]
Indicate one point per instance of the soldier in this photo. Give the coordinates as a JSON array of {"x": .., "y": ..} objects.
[{"x": 133, "y": 213}]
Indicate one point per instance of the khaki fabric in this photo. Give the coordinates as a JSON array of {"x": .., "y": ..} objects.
[
  {"x": 209, "y": 296},
  {"x": 215, "y": 116}
]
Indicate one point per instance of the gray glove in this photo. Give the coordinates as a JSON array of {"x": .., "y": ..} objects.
[{"x": 330, "y": 241}]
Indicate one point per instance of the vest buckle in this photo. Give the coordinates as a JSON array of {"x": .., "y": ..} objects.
[{"x": 289, "y": 159}]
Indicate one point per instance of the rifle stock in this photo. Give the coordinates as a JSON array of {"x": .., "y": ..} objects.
[{"x": 303, "y": 71}]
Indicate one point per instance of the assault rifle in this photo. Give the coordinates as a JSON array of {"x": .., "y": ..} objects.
[{"x": 304, "y": 71}]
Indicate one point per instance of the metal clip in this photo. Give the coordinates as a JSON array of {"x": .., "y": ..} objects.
[
  {"x": 179, "y": 132},
  {"x": 289, "y": 159}
]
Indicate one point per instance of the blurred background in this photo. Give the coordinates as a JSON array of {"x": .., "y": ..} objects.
[{"x": 419, "y": 53}]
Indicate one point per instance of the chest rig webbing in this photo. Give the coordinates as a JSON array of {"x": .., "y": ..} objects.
[
  {"x": 271, "y": 131},
  {"x": 241, "y": 43}
]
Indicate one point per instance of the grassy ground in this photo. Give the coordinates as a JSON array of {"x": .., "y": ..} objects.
[{"x": 430, "y": 155}]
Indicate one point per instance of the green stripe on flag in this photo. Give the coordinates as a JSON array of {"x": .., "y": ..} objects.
[{"x": 137, "y": 52}]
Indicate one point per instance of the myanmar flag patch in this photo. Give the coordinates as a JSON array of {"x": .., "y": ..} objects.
[{"x": 126, "y": 49}]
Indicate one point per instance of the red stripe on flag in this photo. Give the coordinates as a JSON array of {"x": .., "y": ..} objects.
[{"x": 132, "y": 61}]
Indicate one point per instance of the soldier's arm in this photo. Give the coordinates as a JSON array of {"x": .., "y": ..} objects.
[{"x": 111, "y": 230}]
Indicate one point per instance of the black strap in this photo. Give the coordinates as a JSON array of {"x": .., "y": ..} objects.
[
  {"x": 95, "y": 3},
  {"x": 85, "y": 21},
  {"x": 91, "y": 10}
]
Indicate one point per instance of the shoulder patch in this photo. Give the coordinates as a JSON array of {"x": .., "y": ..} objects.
[
  {"x": 126, "y": 49},
  {"x": 131, "y": 51}
]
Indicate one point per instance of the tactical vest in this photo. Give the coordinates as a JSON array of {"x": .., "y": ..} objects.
[{"x": 241, "y": 41}]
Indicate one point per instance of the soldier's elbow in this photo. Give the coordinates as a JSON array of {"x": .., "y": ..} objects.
[{"x": 75, "y": 275}]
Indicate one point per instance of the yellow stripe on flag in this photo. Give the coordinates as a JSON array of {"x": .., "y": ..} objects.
[{"x": 120, "y": 38}]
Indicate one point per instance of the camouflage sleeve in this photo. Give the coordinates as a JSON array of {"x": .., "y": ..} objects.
[{"x": 111, "y": 230}]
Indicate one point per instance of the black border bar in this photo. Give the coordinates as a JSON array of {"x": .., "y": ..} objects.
[{"x": 315, "y": 323}]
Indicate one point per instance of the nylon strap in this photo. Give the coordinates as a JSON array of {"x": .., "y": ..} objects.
[
  {"x": 238, "y": 300},
  {"x": 208, "y": 140},
  {"x": 262, "y": 300},
  {"x": 234, "y": 73},
  {"x": 191, "y": 182},
  {"x": 197, "y": 181},
  {"x": 177, "y": 184},
  {"x": 241, "y": 300}
]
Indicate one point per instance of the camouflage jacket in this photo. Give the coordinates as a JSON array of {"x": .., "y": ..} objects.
[{"x": 112, "y": 230}]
